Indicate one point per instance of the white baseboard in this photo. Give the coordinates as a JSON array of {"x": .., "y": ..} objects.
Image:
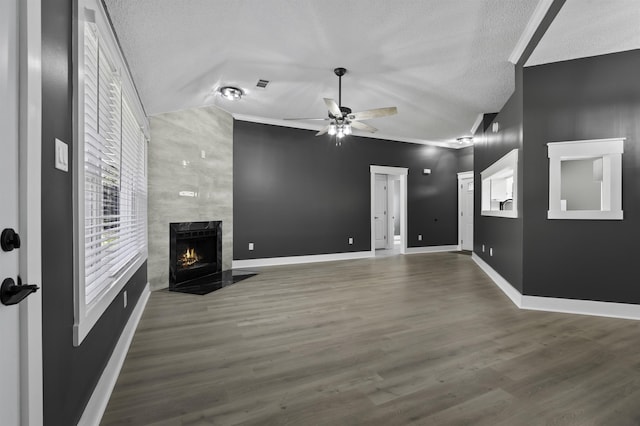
[
  {"x": 554, "y": 304},
  {"x": 94, "y": 410},
  {"x": 582, "y": 307},
  {"x": 293, "y": 260},
  {"x": 430, "y": 249},
  {"x": 504, "y": 285}
]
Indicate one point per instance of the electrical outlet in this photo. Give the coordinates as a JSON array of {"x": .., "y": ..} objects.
[
  {"x": 491, "y": 252},
  {"x": 250, "y": 246},
  {"x": 125, "y": 298},
  {"x": 419, "y": 237},
  {"x": 350, "y": 240}
]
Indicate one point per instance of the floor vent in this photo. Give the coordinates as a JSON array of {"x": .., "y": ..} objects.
[{"x": 262, "y": 83}]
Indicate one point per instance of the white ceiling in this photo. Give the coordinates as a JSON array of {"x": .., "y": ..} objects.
[
  {"x": 586, "y": 28},
  {"x": 441, "y": 62}
]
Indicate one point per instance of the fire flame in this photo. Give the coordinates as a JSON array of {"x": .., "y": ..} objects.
[{"x": 189, "y": 257}]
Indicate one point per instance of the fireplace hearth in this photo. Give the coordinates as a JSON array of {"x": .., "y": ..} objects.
[{"x": 195, "y": 258}]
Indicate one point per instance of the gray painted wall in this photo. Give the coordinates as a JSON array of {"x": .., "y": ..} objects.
[
  {"x": 298, "y": 194},
  {"x": 590, "y": 98},
  {"x": 70, "y": 373},
  {"x": 178, "y": 140},
  {"x": 503, "y": 235}
]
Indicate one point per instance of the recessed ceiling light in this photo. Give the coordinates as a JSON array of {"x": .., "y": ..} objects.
[
  {"x": 231, "y": 93},
  {"x": 465, "y": 139}
]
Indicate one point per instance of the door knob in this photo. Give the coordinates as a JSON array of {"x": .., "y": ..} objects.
[
  {"x": 9, "y": 240},
  {"x": 11, "y": 294}
]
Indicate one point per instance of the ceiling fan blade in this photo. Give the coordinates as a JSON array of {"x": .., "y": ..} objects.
[
  {"x": 373, "y": 113},
  {"x": 362, "y": 126},
  {"x": 333, "y": 107},
  {"x": 323, "y": 131},
  {"x": 321, "y": 119}
]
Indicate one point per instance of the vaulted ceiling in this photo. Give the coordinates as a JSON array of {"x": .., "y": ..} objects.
[{"x": 441, "y": 62}]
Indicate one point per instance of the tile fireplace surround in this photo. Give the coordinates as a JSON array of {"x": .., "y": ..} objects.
[{"x": 190, "y": 179}]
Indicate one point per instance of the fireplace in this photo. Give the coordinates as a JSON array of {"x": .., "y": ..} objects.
[{"x": 195, "y": 252}]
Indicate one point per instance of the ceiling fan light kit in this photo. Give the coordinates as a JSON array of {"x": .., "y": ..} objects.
[{"x": 342, "y": 120}]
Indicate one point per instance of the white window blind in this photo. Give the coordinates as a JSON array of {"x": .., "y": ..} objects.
[{"x": 112, "y": 219}]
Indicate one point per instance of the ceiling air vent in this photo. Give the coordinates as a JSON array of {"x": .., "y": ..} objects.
[{"x": 262, "y": 83}]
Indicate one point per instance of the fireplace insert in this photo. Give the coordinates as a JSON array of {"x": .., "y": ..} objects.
[{"x": 195, "y": 252}]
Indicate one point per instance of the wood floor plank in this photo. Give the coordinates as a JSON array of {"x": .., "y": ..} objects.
[{"x": 424, "y": 339}]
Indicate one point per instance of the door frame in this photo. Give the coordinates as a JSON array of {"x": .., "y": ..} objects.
[
  {"x": 402, "y": 173},
  {"x": 30, "y": 267},
  {"x": 462, "y": 176}
]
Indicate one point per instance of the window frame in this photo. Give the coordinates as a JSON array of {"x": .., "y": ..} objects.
[
  {"x": 610, "y": 150},
  {"x": 87, "y": 315}
]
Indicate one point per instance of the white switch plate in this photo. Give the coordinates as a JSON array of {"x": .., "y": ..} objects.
[
  {"x": 483, "y": 248},
  {"x": 62, "y": 156},
  {"x": 491, "y": 251},
  {"x": 350, "y": 240},
  {"x": 125, "y": 299},
  {"x": 419, "y": 237},
  {"x": 250, "y": 246}
]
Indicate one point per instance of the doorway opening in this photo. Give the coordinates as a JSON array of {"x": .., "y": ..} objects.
[
  {"x": 465, "y": 210},
  {"x": 388, "y": 210}
]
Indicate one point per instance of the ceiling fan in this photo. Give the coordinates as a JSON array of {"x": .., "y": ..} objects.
[{"x": 342, "y": 119}]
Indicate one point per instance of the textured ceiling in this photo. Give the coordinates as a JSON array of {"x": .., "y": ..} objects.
[
  {"x": 586, "y": 28},
  {"x": 441, "y": 62}
]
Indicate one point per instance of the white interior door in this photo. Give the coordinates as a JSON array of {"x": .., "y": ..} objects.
[
  {"x": 9, "y": 261},
  {"x": 380, "y": 214},
  {"x": 466, "y": 213}
]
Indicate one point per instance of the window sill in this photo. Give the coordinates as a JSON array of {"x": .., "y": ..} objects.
[{"x": 585, "y": 215}]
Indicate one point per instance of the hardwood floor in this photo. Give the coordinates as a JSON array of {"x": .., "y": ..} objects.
[{"x": 417, "y": 339}]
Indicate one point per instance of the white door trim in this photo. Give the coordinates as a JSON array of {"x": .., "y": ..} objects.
[
  {"x": 402, "y": 173},
  {"x": 30, "y": 125},
  {"x": 461, "y": 177}
]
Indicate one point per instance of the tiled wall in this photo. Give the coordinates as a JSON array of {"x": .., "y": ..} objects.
[{"x": 190, "y": 179}]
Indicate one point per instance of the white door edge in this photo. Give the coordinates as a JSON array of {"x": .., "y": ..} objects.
[
  {"x": 395, "y": 171},
  {"x": 30, "y": 125}
]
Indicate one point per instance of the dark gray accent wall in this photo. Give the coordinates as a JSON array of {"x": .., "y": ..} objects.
[
  {"x": 298, "y": 194},
  {"x": 465, "y": 159},
  {"x": 69, "y": 373},
  {"x": 503, "y": 235},
  {"x": 589, "y": 98}
]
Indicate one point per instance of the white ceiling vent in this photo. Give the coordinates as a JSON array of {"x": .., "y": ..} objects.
[{"x": 262, "y": 83}]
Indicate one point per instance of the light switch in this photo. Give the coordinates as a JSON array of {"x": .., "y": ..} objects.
[
  {"x": 250, "y": 246},
  {"x": 62, "y": 156}
]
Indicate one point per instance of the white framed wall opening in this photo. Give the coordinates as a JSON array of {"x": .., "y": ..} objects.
[
  {"x": 392, "y": 174},
  {"x": 500, "y": 187},
  {"x": 585, "y": 179}
]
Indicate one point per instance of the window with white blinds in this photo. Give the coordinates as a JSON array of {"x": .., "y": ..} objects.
[{"x": 111, "y": 166}]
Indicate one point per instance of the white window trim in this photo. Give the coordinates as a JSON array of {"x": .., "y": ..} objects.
[
  {"x": 86, "y": 317},
  {"x": 611, "y": 151},
  {"x": 509, "y": 160}
]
